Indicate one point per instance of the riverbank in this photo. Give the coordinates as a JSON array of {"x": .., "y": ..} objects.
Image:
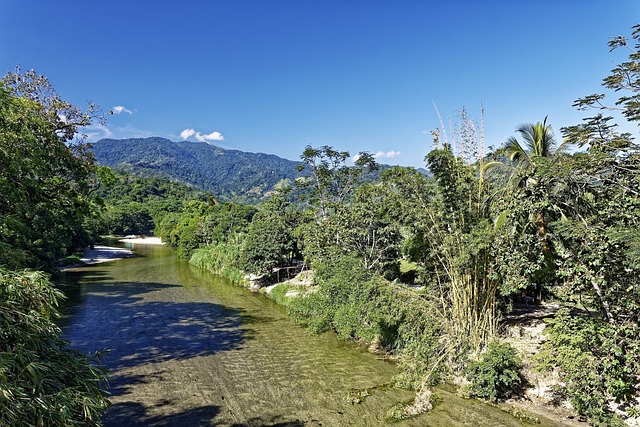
[
  {"x": 523, "y": 330},
  {"x": 142, "y": 240},
  {"x": 100, "y": 253}
]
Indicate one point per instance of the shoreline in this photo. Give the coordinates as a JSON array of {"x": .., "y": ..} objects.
[
  {"x": 142, "y": 240},
  {"x": 101, "y": 253}
]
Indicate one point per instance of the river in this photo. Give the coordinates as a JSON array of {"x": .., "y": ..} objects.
[{"x": 189, "y": 349}]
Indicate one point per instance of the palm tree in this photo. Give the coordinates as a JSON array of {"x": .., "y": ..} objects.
[
  {"x": 516, "y": 171},
  {"x": 538, "y": 141}
]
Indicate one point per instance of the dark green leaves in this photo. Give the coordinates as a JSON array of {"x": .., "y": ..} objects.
[{"x": 42, "y": 382}]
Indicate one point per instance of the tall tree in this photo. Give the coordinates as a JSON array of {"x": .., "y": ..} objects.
[
  {"x": 45, "y": 186},
  {"x": 331, "y": 180},
  {"x": 46, "y": 182},
  {"x": 270, "y": 240},
  {"x": 517, "y": 201}
]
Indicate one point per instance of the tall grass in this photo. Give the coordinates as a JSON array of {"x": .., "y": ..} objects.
[{"x": 222, "y": 259}]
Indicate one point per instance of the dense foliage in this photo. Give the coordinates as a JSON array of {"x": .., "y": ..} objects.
[
  {"x": 201, "y": 224},
  {"x": 134, "y": 204},
  {"x": 270, "y": 241},
  {"x": 222, "y": 258},
  {"x": 598, "y": 361},
  {"x": 42, "y": 381},
  {"x": 229, "y": 174},
  {"x": 46, "y": 181},
  {"x": 47, "y": 185}
]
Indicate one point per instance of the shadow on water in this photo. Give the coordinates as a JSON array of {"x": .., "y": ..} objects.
[
  {"x": 132, "y": 414},
  {"x": 161, "y": 320},
  {"x": 116, "y": 316}
]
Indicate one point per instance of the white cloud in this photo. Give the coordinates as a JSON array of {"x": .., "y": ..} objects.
[
  {"x": 187, "y": 133},
  {"x": 206, "y": 137},
  {"x": 213, "y": 136},
  {"x": 386, "y": 154},
  {"x": 119, "y": 109}
]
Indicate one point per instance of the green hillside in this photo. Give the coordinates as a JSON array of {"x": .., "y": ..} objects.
[{"x": 229, "y": 174}]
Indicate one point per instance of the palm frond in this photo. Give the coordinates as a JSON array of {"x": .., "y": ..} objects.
[{"x": 516, "y": 153}]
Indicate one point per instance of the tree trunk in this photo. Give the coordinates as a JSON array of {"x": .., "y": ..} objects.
[
  {"x": 541, "y": 224},
  {"x": 603, "y": 301}
]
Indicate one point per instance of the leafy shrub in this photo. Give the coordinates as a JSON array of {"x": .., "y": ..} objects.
[
  {"x": 42, "y": 381},
  {"x": 71, "y": 260},
  {"x": 220, "y": 259},
  {"x": 360, "y": 305},
  {"x": 597, "y": 362},
  {"x": 496, "y": 374}
]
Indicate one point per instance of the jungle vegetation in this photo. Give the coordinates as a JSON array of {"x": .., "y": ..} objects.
[
  {"x": 546, "y": 216},
  {"x": 48, "y": 180},
  {"x": 421, "y": 267}
]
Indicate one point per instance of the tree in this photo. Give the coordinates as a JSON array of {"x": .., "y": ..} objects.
[
  {"x": 331, "y": 180},
  {"x": 591, "y": 203},
  {"x": 363, "y": 227},
  {"x": 518, "y": 206},
  {"x": 46, "y": 185},
  {"x": 130, "y": 218},
  {"x": 46, "y": 182},
  {"x": 270, "y": 242}
]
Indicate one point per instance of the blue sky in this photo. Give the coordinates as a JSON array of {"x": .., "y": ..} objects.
[{"x": 274, "y": 76}]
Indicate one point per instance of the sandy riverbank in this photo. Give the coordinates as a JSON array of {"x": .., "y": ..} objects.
[
  {"x": 143, "y": 240},
  {"x": 100, "y": 254}
]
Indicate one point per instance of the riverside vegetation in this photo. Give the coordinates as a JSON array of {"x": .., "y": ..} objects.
[
  {"x": 419, "y": 267},
  {"x": 533, "y": 220}
]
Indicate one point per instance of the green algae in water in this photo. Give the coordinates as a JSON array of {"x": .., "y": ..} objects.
[{"x": 189, "y": 348}]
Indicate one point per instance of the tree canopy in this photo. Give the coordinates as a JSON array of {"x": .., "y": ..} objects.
[{"x": 46, "y": 184}]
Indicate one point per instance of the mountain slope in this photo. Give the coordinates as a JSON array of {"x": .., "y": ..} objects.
[{"x": 229, "y": 174}]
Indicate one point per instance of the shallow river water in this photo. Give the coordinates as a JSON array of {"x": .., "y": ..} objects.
[{"x": 189, "y": 349}]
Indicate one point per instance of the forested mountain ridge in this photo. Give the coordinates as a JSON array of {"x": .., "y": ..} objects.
[{"x": 229, "y": 174}]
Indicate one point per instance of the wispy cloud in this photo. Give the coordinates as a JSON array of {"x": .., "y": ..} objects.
[
  {"x": 379, "y": 155},
  {"x": 386, "y": 154},
  {"x": 202, "y": 137},
  {"x": 119, "y": 109},
  {"x": 96, "y": 131}
]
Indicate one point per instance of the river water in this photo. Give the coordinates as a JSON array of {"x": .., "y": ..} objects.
[{"x": 187, "y": 348}]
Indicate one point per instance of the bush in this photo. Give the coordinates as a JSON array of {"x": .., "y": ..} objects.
[
  {"x": 597, "y": 362},
  {"x": 497, "y": 374},
  {"x": 220, "y": 259},
  {"x": 360, "y": 305},
  {"x": 42, "y": 381}
]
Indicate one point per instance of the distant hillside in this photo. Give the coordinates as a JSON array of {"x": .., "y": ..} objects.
[{"x": 229, "y": 174}]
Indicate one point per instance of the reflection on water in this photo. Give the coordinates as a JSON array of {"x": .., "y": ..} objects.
[{"x": 187, "y": 348}]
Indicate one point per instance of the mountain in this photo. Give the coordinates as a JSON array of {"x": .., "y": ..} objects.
[{"x": 228, "y": 174}]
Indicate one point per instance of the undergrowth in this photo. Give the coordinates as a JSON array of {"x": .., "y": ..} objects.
[
  {"x": 359, "y": 305},
  {"x": 221, "y": 259}
]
